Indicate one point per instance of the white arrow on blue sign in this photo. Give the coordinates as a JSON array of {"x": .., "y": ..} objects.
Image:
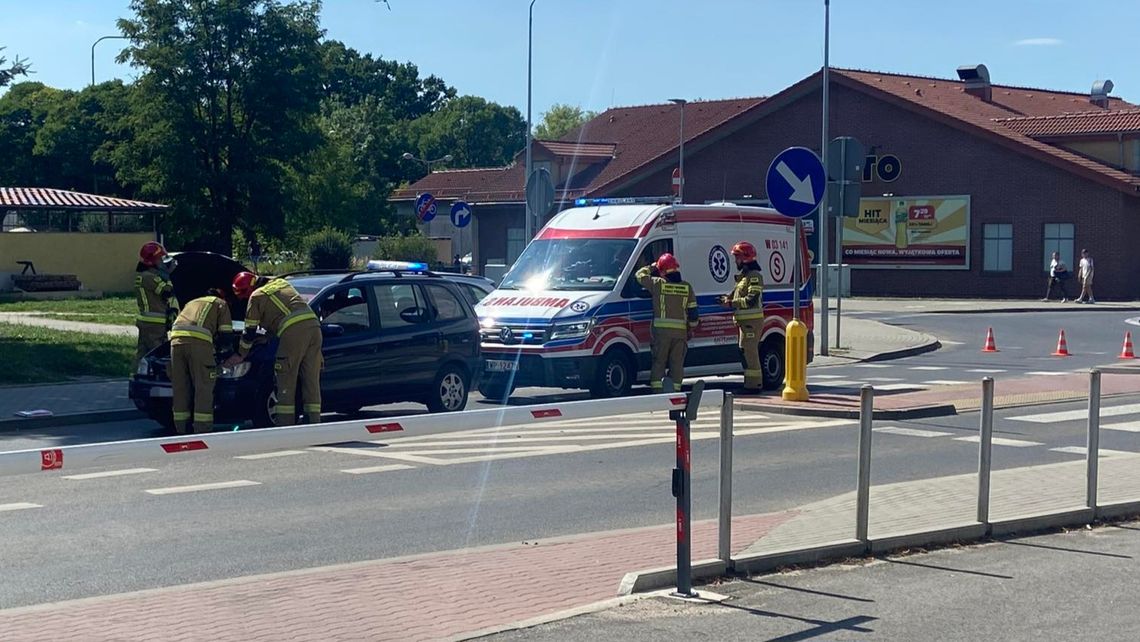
[
  {"x": 795, "y": 182},
  {"x": 460, "y": 214},
  {"x": 425, "y": 207}
]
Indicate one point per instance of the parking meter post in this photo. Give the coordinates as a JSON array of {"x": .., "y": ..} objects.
[
  {"x": 682, "y": 478},
  {"x": 863, "y": 486},
  {"x": 795, "y": 362},
  {"x": 724, "y": 532},
  {"x": 1093, "y": 450},
  {"x": 985, "y": 450}
]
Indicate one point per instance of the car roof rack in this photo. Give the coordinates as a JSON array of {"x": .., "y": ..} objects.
[{"x": 398, "y": 273}]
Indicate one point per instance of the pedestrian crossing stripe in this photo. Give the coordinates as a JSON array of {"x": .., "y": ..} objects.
[
  {"x": 910, "y": 432},
  {"x": 1073, "y": 415},
  {"x": 1127, "y": 426},
  {"x": 1000, "y": 441},
  {"x": 1103, "y": 452},
  {"x": 928, "y": 368}
]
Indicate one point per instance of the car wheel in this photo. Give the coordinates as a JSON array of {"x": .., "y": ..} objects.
[
  {"x": 614, "y": 376},
  {"x": 497, "y": 391},
  {"x": 772, "y": 362},
  {"x": 266, "y": 414},
  {"x": 449, "y": 392}
]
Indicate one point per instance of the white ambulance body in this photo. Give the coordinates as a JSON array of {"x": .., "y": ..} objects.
[{"x": 570, "y": 313}]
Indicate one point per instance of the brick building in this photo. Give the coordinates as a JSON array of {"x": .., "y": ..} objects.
[{"x": 968, "y": 185}]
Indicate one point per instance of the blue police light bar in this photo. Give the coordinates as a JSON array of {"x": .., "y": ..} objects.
[
  {"x": 624, "y": 200},
  {"x": 409, "y": 266}
]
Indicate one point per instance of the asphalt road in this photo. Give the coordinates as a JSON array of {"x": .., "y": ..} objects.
[{"x": 91, "y": 536}]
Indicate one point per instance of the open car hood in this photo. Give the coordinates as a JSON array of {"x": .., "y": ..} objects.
[{"x": 197, "y": 272}]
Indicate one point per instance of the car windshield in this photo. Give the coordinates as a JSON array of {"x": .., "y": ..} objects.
[
  {"x": 309, "y": 286},
  {"x": 570, "y": 264}
]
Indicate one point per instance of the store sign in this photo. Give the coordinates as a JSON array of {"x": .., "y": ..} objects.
[
  {"x": 931, "y": 232},
  {"x": 885, "y": 168}
]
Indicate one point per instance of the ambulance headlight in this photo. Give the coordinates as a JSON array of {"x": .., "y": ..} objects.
[
  {"x": 236, "y": 372},
  {"x": 571, "y": 330}
]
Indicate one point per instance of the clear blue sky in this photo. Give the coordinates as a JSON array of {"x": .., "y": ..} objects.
[{"x": 598, "y": 53}]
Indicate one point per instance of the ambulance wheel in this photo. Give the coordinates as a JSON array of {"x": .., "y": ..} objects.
[
  {"x": 614, "y": 376},
  {"x": 496, "y": 391},
  {"x": 449, "y": 392},
  {"x": 772, "y": 362}
]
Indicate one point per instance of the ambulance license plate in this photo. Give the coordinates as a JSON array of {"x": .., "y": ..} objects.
[{"x": 501, "y": 365}]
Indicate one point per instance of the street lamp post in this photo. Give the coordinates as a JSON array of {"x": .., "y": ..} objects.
[
  {"x": 93, "y": 52},
  {"x": 681, "y": 168},
  {"x": 428, "y": 163},
  {"x": 528, "y": 226},
  {"x": 824, "y": 215}
]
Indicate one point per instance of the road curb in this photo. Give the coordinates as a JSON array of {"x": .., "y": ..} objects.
[
  {"x": 931, "y": 346},
  {"x": 1080, "y": 307},
  {"x": 69, "y": 419},
  {"x": 921, "y": 412}
]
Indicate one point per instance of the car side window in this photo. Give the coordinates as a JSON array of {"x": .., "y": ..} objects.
[
  {"x": 633, "y": 289},
  {"x": 447, "y": 306},
  {"x": 474, "y": 294},
  {"x": 347, "y": 308},
  {"x": 400, "y": 304}
]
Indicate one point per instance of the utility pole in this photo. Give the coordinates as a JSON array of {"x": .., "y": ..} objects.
[
  {"x": 528, "y": 227},
  {"x": 824, "y": 215},
  {"x": 681, "y": 168}
]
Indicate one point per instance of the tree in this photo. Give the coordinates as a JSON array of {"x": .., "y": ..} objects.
[
  {"x": 79, "y": 133},
  {"x": 223, "y": 111},
  {"x": 477, "y": 133},
  {"x": 23, "y": 111},
  {"x": 560, "y": 120},
  {"x": 17, "y": 68},
  {"x": 350, "y": 78}
]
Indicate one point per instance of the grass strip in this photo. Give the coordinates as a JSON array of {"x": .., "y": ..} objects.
[{"x": 40, "y": 355}]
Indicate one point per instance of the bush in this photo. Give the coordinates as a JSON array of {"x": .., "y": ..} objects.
[
  {"x": 405, "y": 248},
  {"x": 329, "y": 249}
]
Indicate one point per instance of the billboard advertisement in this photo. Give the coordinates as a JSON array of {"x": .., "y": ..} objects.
[{"x": 926, "y": 232}]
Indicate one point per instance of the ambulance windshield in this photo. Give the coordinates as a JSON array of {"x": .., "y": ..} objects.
[{"x": 570, "y": 264}]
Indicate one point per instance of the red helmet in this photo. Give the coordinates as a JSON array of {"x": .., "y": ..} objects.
[
  {"x": 666, "y": 263},
  {"x": 243, "y": 284},
  {"x": 151, "y": 253},
  {"x": 744, "y": 251}
]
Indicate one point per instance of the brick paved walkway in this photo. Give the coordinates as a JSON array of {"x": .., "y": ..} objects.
[{"x": 426, "y": 597}]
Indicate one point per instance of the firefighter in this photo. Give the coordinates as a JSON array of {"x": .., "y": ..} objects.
[
  {"x": 747, "y": 303},
  {"x": 154, "y": 294},
  {"x": 277, "y": 308},
  {"x": 200, "y": 325},
  {"x": 674, "y": 318}
]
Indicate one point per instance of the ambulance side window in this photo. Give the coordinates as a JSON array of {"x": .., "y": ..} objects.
[{"x": 633, "y": 289}]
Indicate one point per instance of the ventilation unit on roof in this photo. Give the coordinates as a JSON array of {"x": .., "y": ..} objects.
[
  {"x": 977, "y": 79},
  {"x": 1099, "y": 94}
]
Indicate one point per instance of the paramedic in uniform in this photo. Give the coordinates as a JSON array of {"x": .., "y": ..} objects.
[
  {"x": 193, "y": 364},
  {"x": 154, "y": 294},
  {"x": 674, "y": 318},
  {"x": 747, "y": 303},
  {"x": 275, "y": 306}
]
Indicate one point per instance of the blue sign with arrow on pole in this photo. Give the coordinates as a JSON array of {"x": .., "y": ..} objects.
[
  {"x": 460, "y": 214},
  {"x": 795, "y": 182}
]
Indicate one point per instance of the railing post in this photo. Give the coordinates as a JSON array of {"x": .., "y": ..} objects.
[
  {"x": 724, "y": 532},
  {"x": 1093, "y": 454},
  {"x": 863, "y": 489},
  {"x": 682, "y": 490},
  {"x": 985, "y": 450}
]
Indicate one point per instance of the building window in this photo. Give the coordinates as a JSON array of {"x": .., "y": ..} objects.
[
  {"x": 1058, "y": 238},
  {"x": 997, "y": 247},
  {"x": 516, "y": 243}
]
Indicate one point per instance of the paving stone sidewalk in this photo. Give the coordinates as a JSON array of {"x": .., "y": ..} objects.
[{"x": 65, "y": 398}]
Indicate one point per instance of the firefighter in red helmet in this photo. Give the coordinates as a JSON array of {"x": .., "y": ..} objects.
[
  {"x": 675, "y": 318},
  {"x": 154, "y": 295},
  {"x": 747, "y": 303}
]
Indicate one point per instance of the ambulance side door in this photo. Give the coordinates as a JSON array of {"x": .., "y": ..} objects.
[{"x": 639, "y": 299}]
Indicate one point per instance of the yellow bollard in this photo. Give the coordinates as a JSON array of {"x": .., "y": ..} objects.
[{"x": 795, "y": 362}]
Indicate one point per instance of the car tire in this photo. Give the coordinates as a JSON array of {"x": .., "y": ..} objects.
[
  {"x": 772, "y": 362},
  {"x": 496, "y": 391},
  {"x": 614, "y": 376},
  {"x": 264, "y": 416},
  {"x": 450, "y": 390}
]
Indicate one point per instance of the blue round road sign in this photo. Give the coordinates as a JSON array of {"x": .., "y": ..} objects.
[
  {"x": 425, "y": 207},
  {"x": 460, "y": 214},
  {"x": 795, "y": 182}
]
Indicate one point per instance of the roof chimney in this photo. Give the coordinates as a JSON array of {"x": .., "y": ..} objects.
[
  {"x": 1099, "y": 94},
  {"x": 977, "y": 79}
]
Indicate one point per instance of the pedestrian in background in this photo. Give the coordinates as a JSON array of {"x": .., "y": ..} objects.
[
  {"x": 1085, "y": 274},
  {"x": 1058, "y": 275}
]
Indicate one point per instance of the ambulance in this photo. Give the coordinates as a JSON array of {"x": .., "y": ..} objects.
[{"x": 570, "y": 313}]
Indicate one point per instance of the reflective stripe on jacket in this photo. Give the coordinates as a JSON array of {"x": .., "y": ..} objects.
[
  {"x": 674, "y": 305},
  {"x": 748, "y": 296},
  {"x": 275, "y": 306},
  {"x": 153, "y": 292},
  {"x": 203, "y": 318}
]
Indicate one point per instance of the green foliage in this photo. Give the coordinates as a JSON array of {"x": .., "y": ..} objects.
[
  {"x": 413, "y": 247},
  {"x": 477, "y": 133},
  {"x": 329, "y": 249},
  {"x": 560, "y": 120},
  {"x": 17, "y": 68},
  {"x": 39, "y": 355}
]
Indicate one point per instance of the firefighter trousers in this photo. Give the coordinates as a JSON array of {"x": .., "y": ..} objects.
[
  {"x": 193, "y": 372},
  {"x": 749, "y": 344},
  {"x": 669, "y": 349},
  {"x": 151, "y": 335},
  {"x": 298, "y": 366}
]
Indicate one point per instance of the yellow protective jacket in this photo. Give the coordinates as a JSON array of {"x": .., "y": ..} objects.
[
  {"x": 153, "y": 294},
  {"x": 748, "y": 296},
  {"x": 276, "y": 307},
  {"x": 204, "y": 318},
  {"x": 674, "y": 304}
]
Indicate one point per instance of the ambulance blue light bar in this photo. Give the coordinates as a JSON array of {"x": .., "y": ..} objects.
[
  {"x": 409, "y": 266},
  {"x": 625, "y": 200}
]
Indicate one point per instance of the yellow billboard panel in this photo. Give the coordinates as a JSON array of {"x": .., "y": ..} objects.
[{"x": 931, "y": 232}]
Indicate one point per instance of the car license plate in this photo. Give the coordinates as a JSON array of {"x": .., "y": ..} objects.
[
  {"x": 161, "y": 392},
  {"x": 501, "y": 365}
]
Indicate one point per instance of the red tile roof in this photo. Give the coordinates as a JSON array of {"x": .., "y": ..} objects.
[
  {"x": 578, "y": 150},
  {"x": 43, "y": 198},
  {"x": 1117, "y": 121}
]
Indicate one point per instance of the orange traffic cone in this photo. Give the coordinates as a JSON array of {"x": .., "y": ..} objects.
[
  {"x": 1062, "y": 346},
  {"x": 1126, "y": 351},
  {"x": 990, "y": 345}
]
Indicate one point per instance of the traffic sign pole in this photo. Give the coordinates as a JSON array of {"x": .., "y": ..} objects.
[
  {"x": 823, "y": 213},
  {"x": 796, "y": 273}
]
